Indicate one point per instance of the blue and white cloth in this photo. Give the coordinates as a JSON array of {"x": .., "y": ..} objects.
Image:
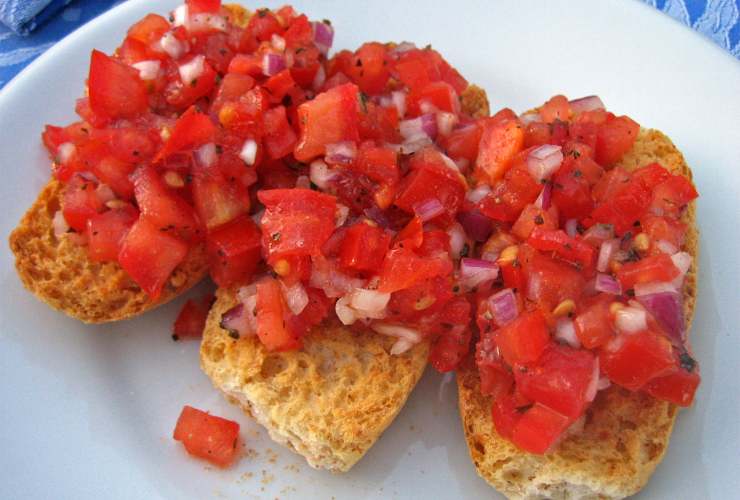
[{"x": 48, "y": 21}]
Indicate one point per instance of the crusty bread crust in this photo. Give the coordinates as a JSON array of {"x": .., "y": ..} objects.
[
  {"x": 328, "y": 401},
  {"x": 59, "y": 272},
  {"x": 625, "y": 434}
]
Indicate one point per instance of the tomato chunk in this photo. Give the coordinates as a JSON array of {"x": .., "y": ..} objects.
[
  {"x": 207, "y": 436},
  {"x": 569, "y": 249},
  {"x": 115, "y": 88},
  {"x": 234, "y": 251},
  {"x": 191, "y": 320},
  {"x": 80, "y": 203},
  {"x": 538, "y": 429},
  {"x": 296, "y": 221},
  {"x": 453, "y": 342},
  {"x": 677, "y": 387},
  {"x": 615, "y": 137},
  {"x": 632, "y": 360},
  {"x": 523, "y": 340},
  {"x": 500, "y": 142},
  {"x": 149, "y": 256},
  {"x": 364, "y": 247},
  {"x": 271, "y": 311},
  {"x": 647, "y": 270},
  {"x": 593, "y": 322},
  {"x": 402, "y": 268},
  {"x": 106, "y": 231},
  {"x": 191, "y": 130}
]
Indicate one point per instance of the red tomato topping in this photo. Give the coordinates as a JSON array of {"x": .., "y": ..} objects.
[
  {"x": 523, "y": 340},
  {"x": 538, "y": 429},
  {"x": 116, "y": 91},
  {"x": 207, "y": 436},
  {"x": 632, "y": 360},
  {"x": 191, "y": 320},
  {"x": 234, "y": 251},
  {"x": 272, "y": 329}
]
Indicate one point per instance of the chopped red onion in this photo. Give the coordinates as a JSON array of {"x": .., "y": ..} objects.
[
  {"x": 320, "y": 174},
  {"x": 401, "y": 346},
  {"x": 319, "y": 79},
  {"x": 277, "y": 42},
  {"x": 65, "y": 152},
  {"x": 341, "y": 153},
  {"x": 369, "y": 303},
  {"x": 399, "y": 101},
  {"x": 630, "y": 319},
  {"x": 191, "y": 70},
  {"x": 474, "y": 272},
  {"x": 340, "y": 217},
  {"x": 565, "y": 331},
  {"x": 403, "y": 47},
  {"x": 477, "y": 194},
  {"x": 445, "y": 122},
  {"x": 666, "y": 247},
  {"x": 457, "y": 240},
  {"x": 528, "y": 118},
  {"x": 303, "y": 182},
  {"x": 598, "y": 233},
  {"x": 412, "y": 145},
  {"x": 272, "y": 64},
  {"x": 593, "y": 385},
  {"x": 104, "y": 193},
  {"x": 59, "y": 223},
  {"x": 205, "y": 22},
  {"x": 398, "y": 331},
  {"x": 544, "y": 160},
  {"x": 344, "y": 312},
  {"x": 236, "y": 320},
  {"x": 476, "y": 225},
  {"x": 248, "y": 152},
  {"x": 667, "y": 308},
  {"x": 607, "y": 284},
  {"x": 605, "y": 254},
  {"x": 323, "y": 36},
  {"x": 148, "y": 70},
  {"x": 295, "y": 296},
  {"x": 543, "y": 200},
  {"x": 503, "y": 306},
  {"x": 180, "y": 15},
  {"x": 571, "y": 227},
  {"x": 534, "y": 286},
  {"x": 420, "y": 126},
  {"x": 654, "y": 287},
  {"x": 589, "y": 103},
  {"x": 603, "y": 383},
  {"x": 172, "y": 45},
  {"x": 206, "y": 155},
  {"x": 682, "y": 261},
  {"x": 429, "y": 209}
]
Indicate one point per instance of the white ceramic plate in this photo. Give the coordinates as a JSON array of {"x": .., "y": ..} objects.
[{"x": 88, "y": 411}]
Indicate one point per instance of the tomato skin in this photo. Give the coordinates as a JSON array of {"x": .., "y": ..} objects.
[
  {"x": 569, "y": 249},
  {"x": 263, "y": 25},
  {"x": 593, "y": 321},
  {"x": 505, "y": 415},
  {"x": 184, "y": 94},
  {"x": 402, "y": 268},
  {"x": 557, "y": 108},
  {"x": 296, "y": 221},
  {"x": 441, "y": 95},
  {"x": 429, "y": 181},
  {"x": 560, "y": 380},
  {"x": 423, "y": 300},
  {"x": 217, "y": 198},
  {"x": 279, "y": 138},
  {"x": 115, "y": 89},
  {"x": 663, "y": 229},
  {"x": 207, "y": 436},
  {"x": 555, "y": 281},
  {"x": 412, "y": 235},
  {"x": 330, "y": 117},
  {"x": 509, "y": 196},
  {"x": 532, "y": 217},
  {"x": 191, "y": 320},
  {"x": 649, "y": 269},
  {"x": 571, "y": 192},
  {"x": 364, "y": 248},
  {"x": 538, "y": 429},
  {"x": 462, "y": 143},
  {"x": 678, "y": 387},
  {"x": 271, "y": 311},
  {"x": 632, "y": 360},
  {"x": 191, "y": 130},
  {"x": 106, "y": 231},
  {"x": 615, "y": 137},
  {"x": 453, "y": 343},
  {"x": 369, "y": 68},
  {"x": 149, "y": 256},
  {"x": 627, "y": 205},
  {"x": 234, "y": 251},
  {"x": 501, "y": 140},
  {"x": 198, "y": 6},
  {"x": 523, "y": 340},
  {"x": 149, "y": 29},
  {"x": 672, "y": 195},
  {"x": 80, "y": 203}
]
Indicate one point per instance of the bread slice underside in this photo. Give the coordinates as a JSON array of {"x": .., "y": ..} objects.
[
  {"x": 625, "y": 434},
  {"x": 59, "y": 272}
]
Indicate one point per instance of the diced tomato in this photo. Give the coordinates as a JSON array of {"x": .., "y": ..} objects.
[
  {"x": 440, "y": 95},
  {"x": 278, "y": 86},
  {"x": 663, "y": 229},
  {"x": 632, "y": 360},
  {"x": 569, "y": 249},
  {"x": 293, "y": 268},
  {"x": 523, "y": 340},
  {"x": 149, "y": 256},
  {"x": 453, "y": 343},
  {"x": 115, "y": 88},
  {"x": 183, "y": 94},
  {"x": 198, "y": 6},
  {"x": 509, "y": 197},
  {"x": 532, "y": 217},
  {"x": 149, "y": 29},
  {"x": 647, "y": 270},
  {"x": 317, "y": 309},
  {"x": 299, "y": 33},
  {"x": 191, "y": 320},
  {"x": 80, "y": 203},
  {"x": 271, "y": 311},
  {"x": 422, "y": 300},
  {"x": 505, "y": 414},
  {"x": 557, "y": 108},
  {"x": 495, "y": 378},
  {"x": 191, "y": 130},
  {"x": 672, "y": 195},
  {"x": 364, "y": 247},
  {"x": 538, "y": 429},
  {"x": 379, "y": 164},
  {"x": 626, "y": 206},
  {"x": 571, "y": 192},
  {"x": 106, "y": 231},
  {"x": 246, "y": 64},
  {"x": 550, "y": 282},
  {"x": 615, "y": 137},
  {"x": 207, "y": 436},
  {"x": 329, "y": 118},
  {"x": 115, "y": 173},
  {"x": 369, "y": 68},
  {"x": 593, "y": 321},
  {"x": 263, "y": 25},
  {"x": 560, "y": 380},
  {"x": 678, "y": 387},
  {"x": 279, "y": 138},
  {"x": 611, "y": 182},
  {"x": 431, "y": 182},
  {"x": 412, "y": 235},
  {"x": 234, "y": 250},
  {"x": 162, "y": 206},
  {"x": 218, "y": 199},
  {"x": 501, "y": 140},
  {"x": 402, "y": 268},
  {"x": 296, "y": 221},
  {"x": 462, "y": 143},
  {"x": 231, "y": 88},
  {"x": 513, "y": 275}
]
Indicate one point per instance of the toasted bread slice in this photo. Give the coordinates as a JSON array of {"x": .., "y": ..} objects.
[
  {"x": 328, "y": 401},
  {"x": 59, "y": 272},
  {"x": 625, "y": 433}
]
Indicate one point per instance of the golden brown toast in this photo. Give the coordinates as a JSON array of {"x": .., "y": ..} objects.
[
  {"x": 59, "y": 272},
  {"x": 625, "y": 434},
  {"x": 328, "y": 401}
]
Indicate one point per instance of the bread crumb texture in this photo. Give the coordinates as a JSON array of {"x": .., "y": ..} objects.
[
  {"x": 328, "y": 401},
  {"x": 58, "y": 271},
  {"x": 625, "y": 434}
]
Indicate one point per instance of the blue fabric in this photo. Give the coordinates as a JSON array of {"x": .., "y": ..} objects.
[
  {"x": 50, "y": 21},
  {"x": 22, "y": 16}
]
